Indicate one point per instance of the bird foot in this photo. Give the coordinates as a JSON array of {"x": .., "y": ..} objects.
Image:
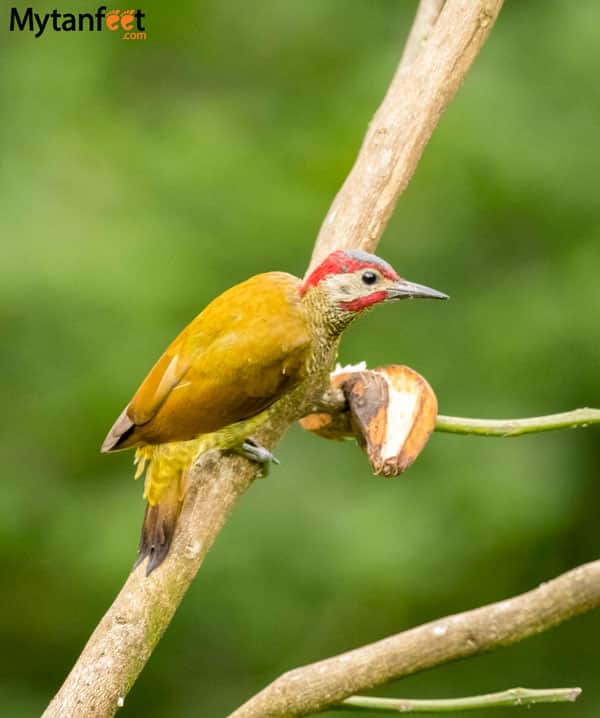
[{"x": 253, "y": 451}]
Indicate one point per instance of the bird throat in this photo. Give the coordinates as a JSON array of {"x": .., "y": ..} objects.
[{"x": 327, "y": 320}]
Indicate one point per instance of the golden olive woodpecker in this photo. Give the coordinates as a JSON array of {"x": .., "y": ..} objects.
[{"x": 270, "y": 339}]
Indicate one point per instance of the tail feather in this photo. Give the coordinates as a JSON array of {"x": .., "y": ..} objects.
[
  {"x": 166, "y": 467},
  {"x": 158, "y": 528}
]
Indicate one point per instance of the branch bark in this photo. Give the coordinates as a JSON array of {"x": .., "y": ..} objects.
[
  {"x": 427, "y": 15},
  {"x": 313, "y": 688},
  {"x": 438, "y": 57}
]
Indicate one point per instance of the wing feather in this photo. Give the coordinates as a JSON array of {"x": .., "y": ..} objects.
[{"x": 237, "y": 357}]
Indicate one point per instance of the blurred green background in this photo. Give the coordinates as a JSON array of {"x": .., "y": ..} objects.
[{"x": 139, "y": 180}]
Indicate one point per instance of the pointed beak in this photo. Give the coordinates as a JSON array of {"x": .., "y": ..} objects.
[{"x": 403, "y": 289}]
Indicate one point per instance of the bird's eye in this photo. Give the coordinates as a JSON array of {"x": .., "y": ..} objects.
[{"x": 369, "y": 277}]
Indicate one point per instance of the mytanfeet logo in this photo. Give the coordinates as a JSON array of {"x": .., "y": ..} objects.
[{"x": 130, "y": 22}]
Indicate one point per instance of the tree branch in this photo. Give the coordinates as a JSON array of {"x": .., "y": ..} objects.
[
  {"x": 440, "y": 50},
  {"x": 313, "y": 688},
  {"x": 511, "y": 697},
  {"x": 126, "y": 636}
]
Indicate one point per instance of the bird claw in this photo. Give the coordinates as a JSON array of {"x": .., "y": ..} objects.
[{"x": 253, "y": 451}]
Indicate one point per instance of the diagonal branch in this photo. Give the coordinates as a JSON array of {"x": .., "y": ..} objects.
[
  {"x": 440, "y": 50},
  {"x": 315, "y": 687},
  {"x": 424, "y": 84}
]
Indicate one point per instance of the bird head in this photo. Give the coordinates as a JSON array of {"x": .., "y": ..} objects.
[{"x": 350, "y": 281}]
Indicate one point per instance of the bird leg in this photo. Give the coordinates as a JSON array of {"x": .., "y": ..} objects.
[{"x": 253, "y": 451}]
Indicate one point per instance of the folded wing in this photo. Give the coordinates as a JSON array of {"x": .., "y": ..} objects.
[{"x": 242, "y": 353}]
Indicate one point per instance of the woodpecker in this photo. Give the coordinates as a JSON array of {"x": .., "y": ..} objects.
[{"x": 265, "y": 343}]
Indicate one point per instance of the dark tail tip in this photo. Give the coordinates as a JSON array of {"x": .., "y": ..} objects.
[{"x": 157, "y": 533}]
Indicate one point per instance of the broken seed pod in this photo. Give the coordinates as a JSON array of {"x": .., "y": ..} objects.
[{"x": 391, "y": 413}]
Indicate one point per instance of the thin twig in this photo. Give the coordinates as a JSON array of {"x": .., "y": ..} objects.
[
  {"x": 518, "y": 427},
  {"x": 315, "y": 687},
  {"x": 511, "y": 697}
]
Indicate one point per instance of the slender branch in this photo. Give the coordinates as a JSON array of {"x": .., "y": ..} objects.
[
  {"x": 128, "y": 633},
  {"x": 517, "y": 427},
  {"x": 313, "y": 688},
  {"x": 511, "y": 697}
]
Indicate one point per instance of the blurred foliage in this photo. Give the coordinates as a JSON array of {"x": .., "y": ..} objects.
[{"x": 139, "y": 179}]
